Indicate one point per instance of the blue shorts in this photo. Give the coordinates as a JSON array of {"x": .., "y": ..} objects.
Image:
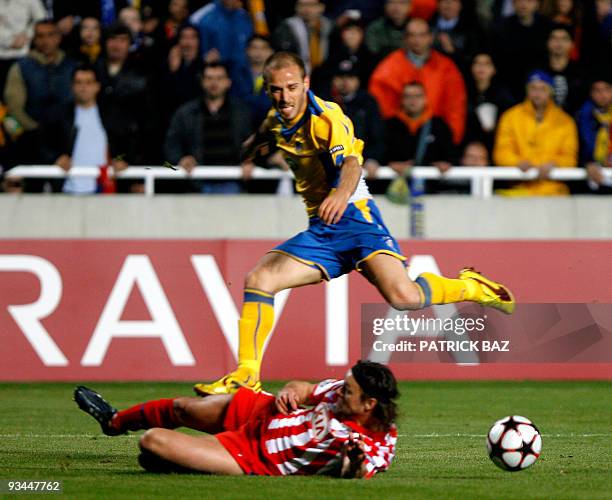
[{"x": 337, "y": 249}]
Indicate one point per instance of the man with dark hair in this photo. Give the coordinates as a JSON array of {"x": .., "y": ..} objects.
[
  {"x": 363, "y": 111},
  {"x": 126, "y": 99},
  {"x": 475, "y": 154},
  {"x": 594, "y": 119},
  {"x": 39, "y": 84},
  {"x": 343, "y": 428},
  {"x": 209, "y": 130},
  {"x": 418, "y": 61},
  {"x": 537, "y": 134},
  {"x": 37, "y": 90},
  {"x": 518, "y": 44},
  {"x": 568, "y": 83},
  {"x": 345, "y": 232},
  {"x": 85, "y": 138},
  {"x": 350, "y": 46},
  {"x": 182, "y": 72},
  {"x": 385, "y": 34},
  {"x": 307, "y": 33},
  {"x": 259, "y": 48},
  {"x": 456, "y": 31},
  {"x": 415, "y": 134},
  {"x": 16, "y": 29}
]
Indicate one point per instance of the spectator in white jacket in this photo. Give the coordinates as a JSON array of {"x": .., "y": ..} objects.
[{"x": 17, "y": 19}]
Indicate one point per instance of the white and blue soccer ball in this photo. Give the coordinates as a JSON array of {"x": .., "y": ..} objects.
[{"x": 514, "y": 443}]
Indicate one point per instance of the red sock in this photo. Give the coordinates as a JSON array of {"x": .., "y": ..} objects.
[{"x": 158, "y": 413}]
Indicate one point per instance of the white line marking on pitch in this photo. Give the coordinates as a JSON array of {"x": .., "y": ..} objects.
[
  {"x": 60, "y": 436},
  {"x": 484, "y": 435},
  {"x": 63, "y": 436}
]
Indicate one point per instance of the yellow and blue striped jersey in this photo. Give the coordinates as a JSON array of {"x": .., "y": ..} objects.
[{"x": 315, "y": 146}]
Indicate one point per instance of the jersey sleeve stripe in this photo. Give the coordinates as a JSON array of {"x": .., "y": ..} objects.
[
  {"x": 279, "y": 423},
  {"x": 280, "y": 444}
]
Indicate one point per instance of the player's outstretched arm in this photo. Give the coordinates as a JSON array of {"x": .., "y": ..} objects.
[
  {"x": 333, "y": 207},
  {"x": 293, "y": 395}
]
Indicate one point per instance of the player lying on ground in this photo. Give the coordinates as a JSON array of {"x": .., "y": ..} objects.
[
  {"x": 345, "y": 230},
  {"x": 348, "y": 432}
]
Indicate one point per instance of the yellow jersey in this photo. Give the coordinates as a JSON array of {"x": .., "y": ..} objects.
[{"x": 315, "y": 146}]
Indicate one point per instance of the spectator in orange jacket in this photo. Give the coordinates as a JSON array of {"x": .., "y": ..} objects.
[
  {"x": 537, "y": 134},
  {"x": 419, "y": 62}
]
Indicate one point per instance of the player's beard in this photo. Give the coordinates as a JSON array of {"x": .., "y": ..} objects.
[
  {"x": 295, "y": 108},
  {"x": 342, "y": 409}
]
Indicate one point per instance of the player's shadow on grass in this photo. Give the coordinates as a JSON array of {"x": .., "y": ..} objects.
[
  {"x": 469, "y": 478},
  {"x": 85, "y": 460},
  {"x": 75, "y": 455},
  {"x": 139, "y": 472}
]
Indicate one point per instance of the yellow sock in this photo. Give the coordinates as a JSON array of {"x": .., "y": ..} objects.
[
  {"x": 440, "y": 290},
  {"x": 254, "y": 326}
]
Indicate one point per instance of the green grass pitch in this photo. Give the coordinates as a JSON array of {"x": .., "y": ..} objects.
[{"x": 441, "y": 450}]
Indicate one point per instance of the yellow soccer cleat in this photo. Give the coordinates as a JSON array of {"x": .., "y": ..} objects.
[
  {"x": 230, "y": 384},
  {"x": 489, "y": 292}
]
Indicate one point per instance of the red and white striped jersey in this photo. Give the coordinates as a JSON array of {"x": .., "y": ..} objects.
[{"x": 310, "y": 441}]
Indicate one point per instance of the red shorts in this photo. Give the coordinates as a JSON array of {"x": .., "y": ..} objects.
[{"x": 246, "y": 418}]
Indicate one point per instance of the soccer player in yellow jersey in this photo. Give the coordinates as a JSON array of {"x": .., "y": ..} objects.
[{"x": 345, "y": 230}]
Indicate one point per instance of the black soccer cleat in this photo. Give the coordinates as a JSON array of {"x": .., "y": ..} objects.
[{"x": 93, "y": 403}]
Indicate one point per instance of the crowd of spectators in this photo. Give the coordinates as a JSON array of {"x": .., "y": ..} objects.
[{"x": 524, "y": 83}]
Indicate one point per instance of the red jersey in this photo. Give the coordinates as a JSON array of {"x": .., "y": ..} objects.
[{"x": 309, "y": 441}]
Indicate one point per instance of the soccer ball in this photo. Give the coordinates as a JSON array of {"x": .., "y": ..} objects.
[{"x": 514, "y": 443}]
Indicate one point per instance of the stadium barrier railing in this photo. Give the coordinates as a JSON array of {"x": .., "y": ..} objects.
[{"x": 481, "y": 178}]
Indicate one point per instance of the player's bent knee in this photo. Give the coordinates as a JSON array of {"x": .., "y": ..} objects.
[
  {"x": 260, "y": 278},
  {"x": 152, "y": 440}
]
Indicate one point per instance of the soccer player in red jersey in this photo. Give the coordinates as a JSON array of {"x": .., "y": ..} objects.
[{"x": 342, "y": 428}]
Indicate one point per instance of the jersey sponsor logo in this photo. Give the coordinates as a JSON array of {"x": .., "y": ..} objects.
[
  {"x": 320, "y": 422},
  {"x": 335, "y": 149}
]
